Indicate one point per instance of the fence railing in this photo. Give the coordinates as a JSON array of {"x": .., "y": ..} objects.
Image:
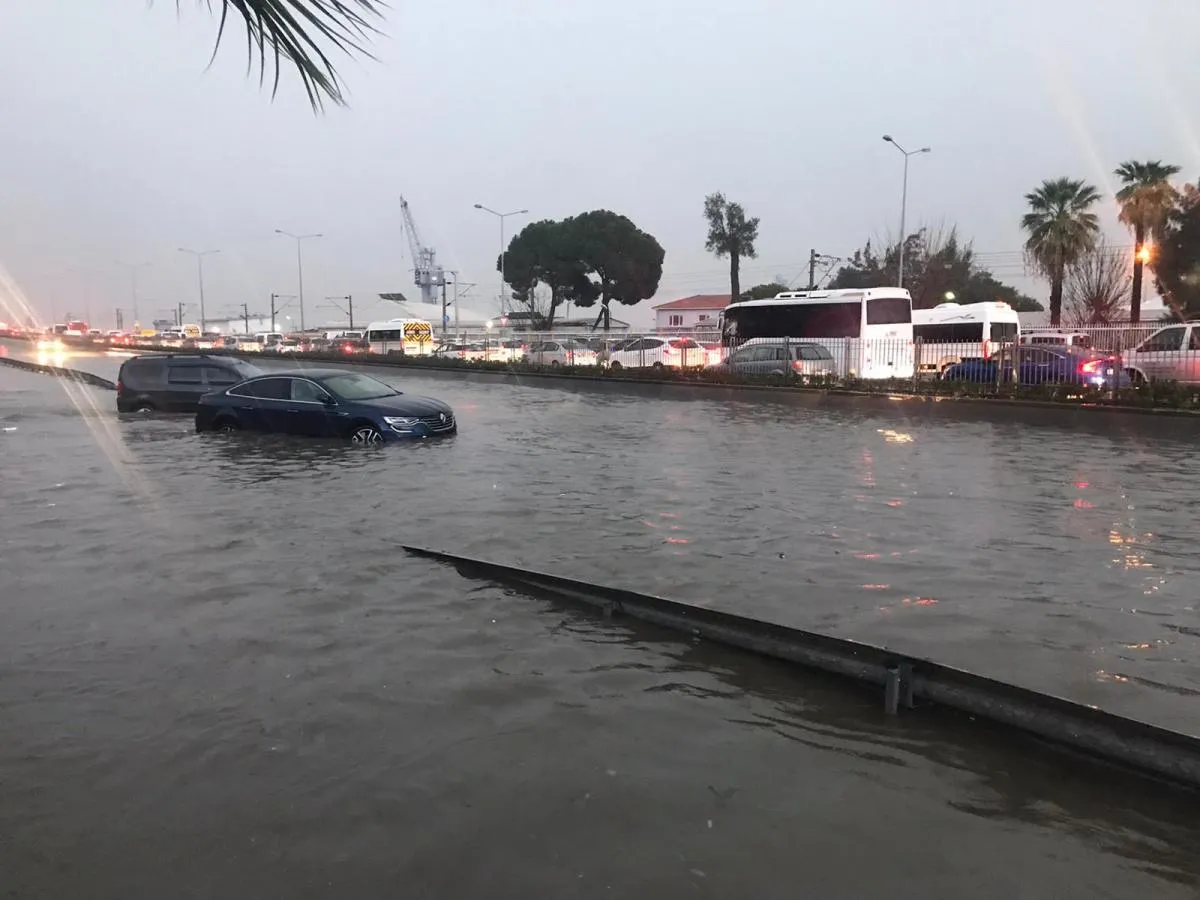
[{"x": 1104, "y": 358}]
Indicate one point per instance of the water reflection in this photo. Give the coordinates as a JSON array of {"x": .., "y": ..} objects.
[
  {"x": 1013, "y": 777},
  {"x": 258, "y": 459}
]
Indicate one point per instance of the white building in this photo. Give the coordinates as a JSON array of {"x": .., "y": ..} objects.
[{"x": 697, "y": 313}]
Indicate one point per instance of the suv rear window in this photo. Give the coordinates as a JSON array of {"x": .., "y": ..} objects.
[
  {"x": 184, "y": 375},
  {"x": 223, "y": 375}
]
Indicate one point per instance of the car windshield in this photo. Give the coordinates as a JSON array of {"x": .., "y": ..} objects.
[{"x": 352, "y": 386}]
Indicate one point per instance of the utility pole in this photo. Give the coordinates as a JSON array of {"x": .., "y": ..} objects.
[
  {"x": 903, "y": 203},
  {"x": 812, "y": 270},
  {"x": 503, "y": 274},
  {"x": 200, "y": 254},
  {"x": 119, "y": 320},
  {"x": 348, "y": 309},
  {"x": 299, "y": 239},
  {"x": 445, "y": 318},
  {"x": 179, "y": 313},
  {"x": 246, "y": 316},
  {"x": 276, "y": 308},
  {"x": 133, "y": 294}
]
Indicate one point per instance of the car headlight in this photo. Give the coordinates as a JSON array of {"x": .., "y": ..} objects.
[{"x": 401, "y": 421}]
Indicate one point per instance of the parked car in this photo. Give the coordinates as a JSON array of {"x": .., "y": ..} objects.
[
  {"x": 778, "y": 357},
  {"x": 566, "y": 352},
  {"x": 658, "y": 353},
  {"x": 325, "y": 403},
  {"x": 176, "y": 382},
  {"x": 1170, "y": 354},
  {"x": 1044, "y": 365}
]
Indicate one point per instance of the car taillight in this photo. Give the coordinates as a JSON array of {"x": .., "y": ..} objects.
[
  {"x": 120, "y": 386},
  {"x": 1090, "y": 367}
]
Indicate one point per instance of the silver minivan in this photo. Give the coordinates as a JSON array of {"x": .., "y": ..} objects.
[{"x": 777, "y": 356}]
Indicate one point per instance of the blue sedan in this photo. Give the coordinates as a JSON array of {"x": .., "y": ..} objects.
[
  {"x": 1044, "y": 365},
  {"x": 325, "y": 403}
]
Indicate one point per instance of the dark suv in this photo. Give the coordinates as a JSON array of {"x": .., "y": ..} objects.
[{"x": 176, "y": 382}]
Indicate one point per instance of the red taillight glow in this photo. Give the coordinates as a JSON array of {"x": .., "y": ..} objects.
[
  {"x": 1090, "y": 367},
  {"x": 120, "y": 386}
]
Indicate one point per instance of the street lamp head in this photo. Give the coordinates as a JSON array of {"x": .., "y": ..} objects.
[
  {"x": 520, "y": 212},
  {"x": 479, "y": 206},
  {"x": 925, "y": 150},
  {"x": 889, "y": 139}
]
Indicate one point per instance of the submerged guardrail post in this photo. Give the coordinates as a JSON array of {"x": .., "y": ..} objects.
[
  {"x": 891, "y": 691},
  {"x": 906, "y": 685}
]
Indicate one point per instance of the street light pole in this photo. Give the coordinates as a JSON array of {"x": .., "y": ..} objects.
[
  {"x": 502, "y": 216},
  {"x": 299, "y": 238},
  {"x": 133, "y": 267},
  {"x": 200, "y": 254},
  {"x": 903, "y": 202}
]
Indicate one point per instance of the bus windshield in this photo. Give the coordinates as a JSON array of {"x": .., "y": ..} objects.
[{"x": 888, "y": 311}]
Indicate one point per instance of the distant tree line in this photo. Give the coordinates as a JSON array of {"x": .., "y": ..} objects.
[{"x": 938, "y": 265}]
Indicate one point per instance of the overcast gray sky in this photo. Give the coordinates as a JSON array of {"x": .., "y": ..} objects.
[{"x": 117, "y": 144}]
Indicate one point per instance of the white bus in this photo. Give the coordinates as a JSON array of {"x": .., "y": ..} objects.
[
  {"x": 413, "y": 337},
  {"x": 869, "y": 332},
  {"x": 951, "y": 332}
]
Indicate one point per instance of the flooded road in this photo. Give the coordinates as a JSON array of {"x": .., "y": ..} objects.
[{"x": 219, "y": 676}]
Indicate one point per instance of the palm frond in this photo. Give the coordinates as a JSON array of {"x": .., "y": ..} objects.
[
  {"x": 1060, "y": 224},
  {"x": 303, "y": 33},
  {"x": 1146, "y": 196}
]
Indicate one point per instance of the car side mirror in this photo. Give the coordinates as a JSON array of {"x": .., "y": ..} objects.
[{"x": 328, "y": 401}]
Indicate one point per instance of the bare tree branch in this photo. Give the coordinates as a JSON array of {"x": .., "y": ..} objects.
[{"x": 1097, "y": 287}]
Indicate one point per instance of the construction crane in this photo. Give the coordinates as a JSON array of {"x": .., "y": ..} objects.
[{"x": 427, "y": 274}]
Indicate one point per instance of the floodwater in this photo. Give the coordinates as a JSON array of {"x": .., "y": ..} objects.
[{"x": 220, "y": 677}]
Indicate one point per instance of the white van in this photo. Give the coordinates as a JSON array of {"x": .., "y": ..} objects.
[
  {"x": 952, "y": 332},
  {"x": 268, "y": 340},
  {"x": 1058, "y": 338}
]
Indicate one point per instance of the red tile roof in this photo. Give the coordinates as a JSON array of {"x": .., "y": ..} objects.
[{"x": 698, "y": 301}]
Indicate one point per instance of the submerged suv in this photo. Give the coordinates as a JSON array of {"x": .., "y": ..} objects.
[{"x": 176, "y": 382}]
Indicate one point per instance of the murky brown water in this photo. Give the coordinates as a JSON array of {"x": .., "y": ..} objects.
[{"x": 219, "y": 677}]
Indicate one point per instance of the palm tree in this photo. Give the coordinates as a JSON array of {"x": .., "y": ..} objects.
[
  {"x": 1146, "y": 198},
  {"x": 1061, "y": 228},
  {"x": 300, "y": 32},
  {"x": 730, "y": 234}
]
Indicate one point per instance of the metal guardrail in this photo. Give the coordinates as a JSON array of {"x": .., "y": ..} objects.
[
  {"x": 60, "y": 372},
  {"x": 905, "y": 679}
]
